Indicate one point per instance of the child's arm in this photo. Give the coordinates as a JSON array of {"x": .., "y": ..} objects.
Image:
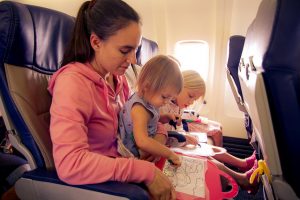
[
  {"x": 166, "y": 117},
  {"x": 140, "y": 117}
]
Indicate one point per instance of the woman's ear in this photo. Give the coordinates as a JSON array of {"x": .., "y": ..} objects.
[{"x": 95, "y": 41}]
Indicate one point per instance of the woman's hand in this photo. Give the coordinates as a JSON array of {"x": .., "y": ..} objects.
[{"x": 161, "y": 188}]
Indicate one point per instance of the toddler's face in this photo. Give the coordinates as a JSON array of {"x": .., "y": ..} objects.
[
  {"x": 187, "y": 97},
  {"x": 161, "y": 98}
]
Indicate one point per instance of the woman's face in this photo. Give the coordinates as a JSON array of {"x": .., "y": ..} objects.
[
  {"x": 115, "y": 54},
  {"x": 187, "y": 97}
]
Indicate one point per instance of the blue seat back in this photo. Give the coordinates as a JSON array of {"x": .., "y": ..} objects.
[
  {"x": 146, "y": 50},
  {"x": 235, "y": 48},
  {"x": 33, "y": 39},
  {"x": 272, "y": 49}
]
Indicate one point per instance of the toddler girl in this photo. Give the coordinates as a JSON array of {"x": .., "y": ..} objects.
[
  {"x": 193, "y": 89},
  {"x": 159, "y": 82}
]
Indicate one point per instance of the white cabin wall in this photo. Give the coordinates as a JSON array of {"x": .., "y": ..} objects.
[{"x": 168, "y": 21}]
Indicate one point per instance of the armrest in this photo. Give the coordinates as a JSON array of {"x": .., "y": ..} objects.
[{"x": 127, "y": 190}]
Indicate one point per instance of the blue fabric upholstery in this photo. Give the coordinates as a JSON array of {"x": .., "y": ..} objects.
[
  {"x": 8, "y": 163},
  {"x": 273, "y": 42},
  {"x": 35, "y": 38},
  {"x": 146, "y": 50},
  {"x": 236, "y": 44}
]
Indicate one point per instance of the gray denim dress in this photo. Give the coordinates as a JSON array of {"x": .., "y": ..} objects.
[{"x": 126, "y": 126}]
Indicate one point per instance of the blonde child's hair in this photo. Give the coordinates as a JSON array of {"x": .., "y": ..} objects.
[
  {"x": 158, "y": 73},
  {"x": 193, "y": 80}
]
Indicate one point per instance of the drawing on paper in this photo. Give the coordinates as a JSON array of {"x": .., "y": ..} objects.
[{"x": 189, "y": 178}]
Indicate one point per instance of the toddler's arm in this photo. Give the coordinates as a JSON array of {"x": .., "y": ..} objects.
[{"x": 140, "y": 117}]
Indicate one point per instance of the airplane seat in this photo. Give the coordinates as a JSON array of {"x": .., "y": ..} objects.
[
  {"x": 32, "y": 44},
  {"x": 269, "y": 74},
  {"x": 146, "y": 50},
  {"x": 235, "y": 48},
  {"x": 12, "y": 168}
]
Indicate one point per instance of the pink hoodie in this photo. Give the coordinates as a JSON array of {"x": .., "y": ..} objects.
[{"x": 83, "y": 128}]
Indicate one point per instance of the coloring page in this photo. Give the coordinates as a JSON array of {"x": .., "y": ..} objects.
[{"x": 189, "y": 178}]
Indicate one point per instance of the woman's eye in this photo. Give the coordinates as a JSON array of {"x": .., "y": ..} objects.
[{"x": 124, "y": 52}]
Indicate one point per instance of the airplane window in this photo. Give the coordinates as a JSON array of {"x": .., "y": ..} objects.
[{"x": 193, "y": 54}]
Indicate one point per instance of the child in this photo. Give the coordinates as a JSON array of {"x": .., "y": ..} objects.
[
  {"x": 159, "y": 82},
  {"x": 194, "y": 89}
]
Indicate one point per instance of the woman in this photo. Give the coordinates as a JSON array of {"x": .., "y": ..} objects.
[{"x": 88, "y": 92}]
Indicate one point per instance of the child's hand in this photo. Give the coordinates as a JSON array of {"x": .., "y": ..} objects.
[
  {"x": 190, "y": 139},
  {"x": 174, "y": 159},
  {"x": 147, "y": 156},
  {"x": 177, "y": 119}
]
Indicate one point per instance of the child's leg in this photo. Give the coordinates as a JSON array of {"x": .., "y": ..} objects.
[
  {"x": 230, "y": 159},
  {"x": 217, "y": 137},
  {"x": 244, "y": 164},
  {"x": 240, "y": 178}
]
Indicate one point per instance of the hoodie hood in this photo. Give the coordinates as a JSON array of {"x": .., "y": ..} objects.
[{"x": 85, "y": 70}]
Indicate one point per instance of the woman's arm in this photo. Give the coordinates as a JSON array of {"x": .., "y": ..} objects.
[{"x": 140, "y": 117}]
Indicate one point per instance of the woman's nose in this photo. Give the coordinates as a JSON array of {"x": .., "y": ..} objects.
[{"x": 131, "y": 59}]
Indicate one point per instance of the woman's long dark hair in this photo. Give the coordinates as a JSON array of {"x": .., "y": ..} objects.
[{"x": 104, "y": 18}]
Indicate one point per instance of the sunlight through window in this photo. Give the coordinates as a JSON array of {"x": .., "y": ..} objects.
[{"x": 193, "y": 54}]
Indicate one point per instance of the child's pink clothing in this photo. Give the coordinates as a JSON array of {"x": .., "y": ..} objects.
[
  {"x": 84, "y": 125},
  {"x": 208, "y": 126}
]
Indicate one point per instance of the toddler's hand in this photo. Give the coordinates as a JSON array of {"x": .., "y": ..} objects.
[
  {"x": 147, "y": 156},
  {"x": 174, "y": 159}
]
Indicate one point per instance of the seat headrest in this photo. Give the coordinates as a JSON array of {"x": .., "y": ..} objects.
[
  {"x": 146, "y": 50},
  {"x": 235, "y": 48},
  {"x": 236, "y": 43},
  {"x": 272, "y": 36},
  {"x": 32, "y": 36}
]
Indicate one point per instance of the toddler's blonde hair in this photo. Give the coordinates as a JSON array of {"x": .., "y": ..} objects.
[
  {"x": 158, "y": 73},
  {"x": 193, "y": 80}
]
